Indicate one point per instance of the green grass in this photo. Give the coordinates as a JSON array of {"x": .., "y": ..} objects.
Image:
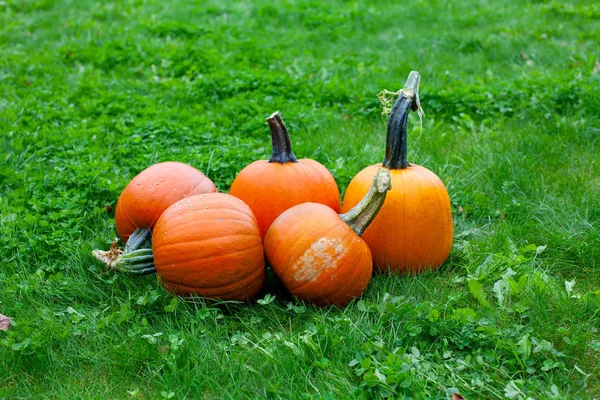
[{"x": 91, "y": 93}]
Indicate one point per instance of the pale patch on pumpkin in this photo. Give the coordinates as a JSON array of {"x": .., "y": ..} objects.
[{"x": 321, "y": 255}]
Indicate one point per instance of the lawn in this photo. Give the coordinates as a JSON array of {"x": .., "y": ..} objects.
[{"x": 93, "y": 92}]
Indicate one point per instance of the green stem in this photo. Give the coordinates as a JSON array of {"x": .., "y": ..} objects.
[
  {"x": 396, "y": 147},
  {"x": 280, "y": 138},
  {"x": 137, "y": 262},
  {"x": 362, "y": 214},
  {"x": 137, "y": 259},
  {"x": 140, "y": 238}
]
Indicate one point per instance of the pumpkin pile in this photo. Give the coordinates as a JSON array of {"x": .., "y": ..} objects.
[{"x": 396, "y": 217}]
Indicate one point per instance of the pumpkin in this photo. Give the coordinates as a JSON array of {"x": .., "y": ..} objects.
[
  {"x": 271, "y": 187},
  {"x": 318, "y": 254},
  {"x": 153, "y": 190},
  {"x": 413, "y": 231},
  {"x": 209, "y": 245},
  {"x": 140, "y": 205}
]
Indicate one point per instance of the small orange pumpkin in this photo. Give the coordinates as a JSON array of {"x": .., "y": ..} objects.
[
  {"x": 318, "y": 254},
  {"x": 209, "y": 245},
  {"x": 153, "y": 190},
  {"x": 413, "y": 231},
  {"x": 271, "y": 187}
]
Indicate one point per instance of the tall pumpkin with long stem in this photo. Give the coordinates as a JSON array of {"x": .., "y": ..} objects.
[
  {"x": 273, "y": 186},
  {"x": 413, "y": 230}
]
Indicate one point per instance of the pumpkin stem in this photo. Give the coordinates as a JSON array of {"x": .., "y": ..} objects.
[
  {"x": 110, "y": 256},
  {"x": 395, "y": 147},
  {"x": 136, "y": 259},
  {"x": 362, "y": 214},
  {"x": 140, "y": 238},
  {"x": 282, "y": 147}
]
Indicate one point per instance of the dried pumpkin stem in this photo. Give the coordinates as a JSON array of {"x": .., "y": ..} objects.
[
  {"x": 362, "y": 214},
  {"x": 396, "y": 148},
  {"x": 137, "y": 259},
  {"x": 282, "y": 147}
]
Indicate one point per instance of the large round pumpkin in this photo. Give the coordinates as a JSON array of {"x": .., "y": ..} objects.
[
  {"x": 271, "y": 187},
  {"x": 413, "y": 230},
  {"x": 318, "y": 254},
  {"x": 209, "y": 245},
  {"x": 153, "y": 190}
]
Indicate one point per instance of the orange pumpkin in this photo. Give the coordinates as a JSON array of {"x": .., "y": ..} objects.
[
  {"x": 318, "y": 254},
  {"x": 413, "y": 231},
  {"x": 153, "y": 190},
  {"x": 271, "y": 187},
  {"x": 209, "y": 245}
]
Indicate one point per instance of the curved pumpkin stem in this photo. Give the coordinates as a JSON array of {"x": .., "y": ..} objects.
[
  {"x": 362, "y": 214},
  {"x": 136, "y": 259},
  {"x": 282, "y": 147},
  {"x": 396, "y": 147}
]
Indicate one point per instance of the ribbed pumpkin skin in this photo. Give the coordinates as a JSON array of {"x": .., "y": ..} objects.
[
  {"x": 413, "y": 230},
  {"x": 318, "y": 256},
  {"x": 209, "y": 245},
  {"x": 271, "y": 188},
  {"x": 153, "y": 190}
]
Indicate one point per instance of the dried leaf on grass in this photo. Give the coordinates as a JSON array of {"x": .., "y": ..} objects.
[{"x": 4, "y": 322}]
